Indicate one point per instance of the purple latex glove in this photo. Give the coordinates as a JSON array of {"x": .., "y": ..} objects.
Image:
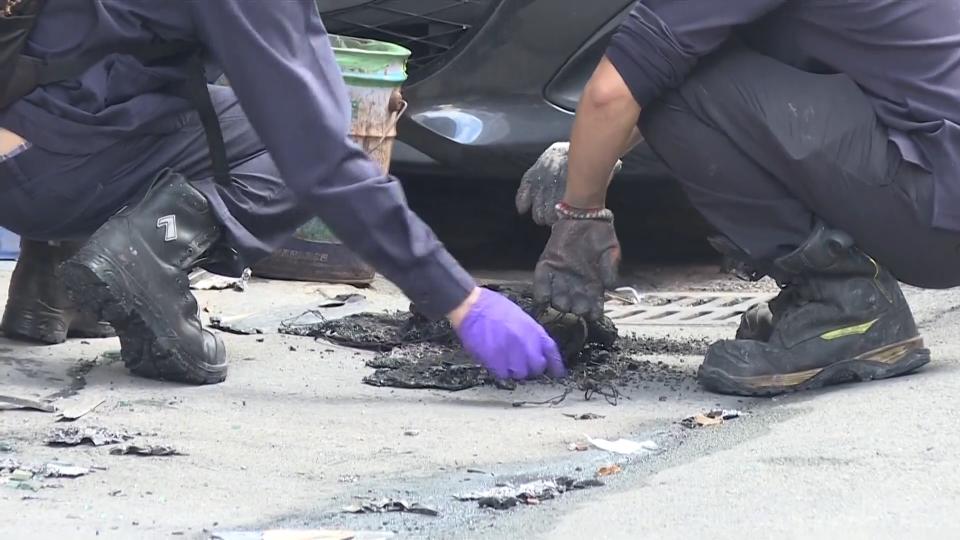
[{"x": 507, "y": 341}]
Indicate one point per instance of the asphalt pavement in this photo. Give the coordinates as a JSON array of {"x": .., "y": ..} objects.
[{"x": 294, "y": 436}]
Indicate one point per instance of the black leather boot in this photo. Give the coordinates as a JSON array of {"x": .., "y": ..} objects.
[
  {"x": 38, "y": 308},
  {"x": 133, "y": 273},
  {"x": 757, "y": 322},
  {"x": 844, "y": 318}
]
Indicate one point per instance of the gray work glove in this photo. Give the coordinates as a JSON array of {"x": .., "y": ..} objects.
[
  {"x": 579, "y": 263},
  {"x": 543, "y": 185}
]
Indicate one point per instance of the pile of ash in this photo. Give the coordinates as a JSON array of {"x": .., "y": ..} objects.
[{"x": 415, "y": 352}]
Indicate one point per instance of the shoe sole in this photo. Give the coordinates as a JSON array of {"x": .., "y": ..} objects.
[
  {"x": 33, "y": 326},
  {"x": 890, "y": 361},
  {"x": 105, "y": 332},
  {"x": 103, "y": 294},
  {"x": 79, "y": 328},
  {"x": 47, "y": 329}
]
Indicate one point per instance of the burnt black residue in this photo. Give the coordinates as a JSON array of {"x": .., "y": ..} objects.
[
  {"x": 379, "y": 331},
  {"x": 384, "y": 332},
  {"x": 606, "y": 370},
  {"x": 418, "y": 353},
  {"x": 426, "y": 365},
  {"x": 78, "y": 379},
  {"x": 650, "y": 346}
]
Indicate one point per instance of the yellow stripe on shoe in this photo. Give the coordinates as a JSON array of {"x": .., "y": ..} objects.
[{"x": 857, "y": 330}]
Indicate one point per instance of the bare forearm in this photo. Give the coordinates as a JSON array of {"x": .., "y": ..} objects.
[{"x": 604, "y": 130}]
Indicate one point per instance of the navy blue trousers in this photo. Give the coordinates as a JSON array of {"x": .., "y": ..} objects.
[
  {"x": 49, "y": 196},
  {"x": 763, "y": 150}
]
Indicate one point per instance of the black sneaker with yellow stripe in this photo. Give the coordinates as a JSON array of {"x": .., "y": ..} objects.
[{"x": 842, "y": 318}]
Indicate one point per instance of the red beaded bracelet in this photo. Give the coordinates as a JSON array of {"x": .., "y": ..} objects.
[{"x": 565, "y": 211}]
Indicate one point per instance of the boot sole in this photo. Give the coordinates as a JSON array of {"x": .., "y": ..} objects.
[
  {"x": 48, "y": 330},
  {"x": 104, "y": 332},
  {"x": 103, "y": 294},
  {"x": 34, "y": 326},
  {"x": 890, "y": 361}
]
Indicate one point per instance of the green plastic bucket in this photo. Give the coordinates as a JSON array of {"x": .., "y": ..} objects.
[{"x": 374, "y": 71}]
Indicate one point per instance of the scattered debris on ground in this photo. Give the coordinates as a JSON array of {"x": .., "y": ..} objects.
[
  {"x": 96, "y": 436},
  {"x": 664, "y": 346},
  {"x": 711, "y": 418},
  {"x": 14, "y": 403},
  {"x": 726, "y": 414},
  {"x": 415, "y": 352},
  {"x": 585, "y": 416},
  {"x": 104, "y": 358},
  {"x": 555, "y": 400},
  {"x": 530, "y": 493},
  {"x": 146, "y": 450},
  {"x": 201, "y": 280},
  {"x": 19, "y": 475},
  {"x": 627, "y": 296},
  {"x": 427, "y": 366},
  {"x": 23, "y": 480},
  {"x": 624, "y": 446},
  {"x": 380, "y": 332},
  {"x": 412, "y": 433},
  {"x": 389, "y": 505},
  {"x": 63, "y": 470},
  {"x": 298, "y": 534},
  {"x": 609, "y": 470},
  {"x": 700, "y": 420},
  {"x": 16, "y": 475},
  {"x": 578, "y": 446},
  {"x": 80, "y": 410},
  {"x": 292, "y": 320}
]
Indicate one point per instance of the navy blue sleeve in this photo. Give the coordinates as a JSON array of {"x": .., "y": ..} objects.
[
  {"x": 661, "y": 40},
  {"x": 278, "y": 59}
]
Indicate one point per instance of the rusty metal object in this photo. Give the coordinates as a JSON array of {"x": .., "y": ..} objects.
[{"x": 373, "y": 130}]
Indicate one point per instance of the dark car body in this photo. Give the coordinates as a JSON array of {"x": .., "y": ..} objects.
[{"x": 492, "y": 82}]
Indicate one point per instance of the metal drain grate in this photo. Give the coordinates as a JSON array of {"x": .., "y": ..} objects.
[{"x": 683, "y": 308}]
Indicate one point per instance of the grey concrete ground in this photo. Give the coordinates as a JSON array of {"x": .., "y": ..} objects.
[{"x": 293, "y": 435}]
